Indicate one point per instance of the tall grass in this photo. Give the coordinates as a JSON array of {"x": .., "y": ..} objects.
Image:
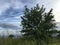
[{"x": 21, "y": 41}]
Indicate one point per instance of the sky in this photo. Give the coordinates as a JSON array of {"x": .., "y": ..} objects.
[{"x": 12, "y": 10}]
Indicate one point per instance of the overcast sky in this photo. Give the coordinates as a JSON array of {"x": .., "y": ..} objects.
[{"x": 12, "y": 10}]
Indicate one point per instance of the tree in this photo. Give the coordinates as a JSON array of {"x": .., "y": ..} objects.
[
  {"x": 11, "y": 36},
  {"x": 37, "y": 23}
]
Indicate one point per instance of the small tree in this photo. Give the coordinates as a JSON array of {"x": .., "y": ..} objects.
[
  {"x": 11, "y": 36},
  {"x": 37, "y": 23}
]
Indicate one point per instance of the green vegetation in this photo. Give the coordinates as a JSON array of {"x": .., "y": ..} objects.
[
  {"x": 38, "y": 24},
  {"x": 18, "y": 41}
]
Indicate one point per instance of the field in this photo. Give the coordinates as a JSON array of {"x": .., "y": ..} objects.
[{"x": 18, "y": 41}]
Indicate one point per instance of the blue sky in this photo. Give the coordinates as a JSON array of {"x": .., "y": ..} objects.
[{"x": 12, "y": 10}]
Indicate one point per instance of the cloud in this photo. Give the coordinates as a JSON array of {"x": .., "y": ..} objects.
[
  {"x": 10, "y": 10},
  {"x": 28, "y": 1},
  {"x": 13, "y": 8},
  {"x": 58, "y": 25},
  {"x": 4, "y": 4},
  {"x": 56, "y": 10},
  {"x": 9, "y": 26}
]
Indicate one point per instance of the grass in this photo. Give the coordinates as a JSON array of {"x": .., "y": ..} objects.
[{"x": 19, "y": 41}]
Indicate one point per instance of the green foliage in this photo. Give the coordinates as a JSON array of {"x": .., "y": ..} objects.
[
  {"x": 23, "y": 41},
  {"x": 11, "y": 36},
  {"x": 37, "y": 23}
]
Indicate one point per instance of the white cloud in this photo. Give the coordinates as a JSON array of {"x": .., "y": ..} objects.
[
  {"x": 4, "y": 4},
  {"x": 55, "y": 4},
  {"x": 3, "y": 7},
  {"x": 56, "y": 10},
  {"x": 48, "y": 4}
]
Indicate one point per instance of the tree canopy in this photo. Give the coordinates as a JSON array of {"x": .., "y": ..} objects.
[{"x": 37, "y": 23}]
